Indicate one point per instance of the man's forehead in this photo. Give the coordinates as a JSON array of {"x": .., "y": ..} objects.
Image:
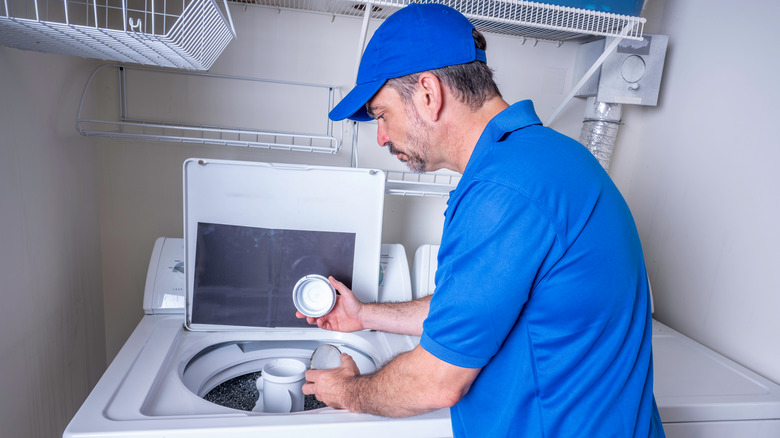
[
  {"x": 374, "y": 105},
  {"x": 378, "y": 101}
]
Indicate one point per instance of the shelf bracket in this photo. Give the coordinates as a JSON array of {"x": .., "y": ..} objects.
[
  {"x": 363, "y": 36},
  {"x": 607, "y": 51}
]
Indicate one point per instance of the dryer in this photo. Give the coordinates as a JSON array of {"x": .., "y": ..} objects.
[
  {"x": 699, "y": 393},
  {"x": 702, "y": 394},
  {"x": 218, "y": 305}
]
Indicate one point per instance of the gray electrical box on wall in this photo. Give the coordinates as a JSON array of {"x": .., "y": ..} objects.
[{"x": 631, "y": 74}]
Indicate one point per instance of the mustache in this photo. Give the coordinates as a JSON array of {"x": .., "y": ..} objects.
[{"x": 391, "y": 148}]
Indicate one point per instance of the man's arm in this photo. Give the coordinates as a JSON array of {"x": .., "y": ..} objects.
[
  {"x": 413, "y": 383},
  {"x": 349, "y": 314},
  {"x": 405, "y": 318}
]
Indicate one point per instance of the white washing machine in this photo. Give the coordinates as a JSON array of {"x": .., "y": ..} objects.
[
  {"x": 218, "y": 305},
  {"x": 700, "y": 393}
]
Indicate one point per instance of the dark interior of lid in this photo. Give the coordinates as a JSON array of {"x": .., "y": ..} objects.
[{"x": 244, "y": 276}]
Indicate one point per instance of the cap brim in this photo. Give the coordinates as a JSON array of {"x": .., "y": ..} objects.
[{"x": 353, "y": 105}]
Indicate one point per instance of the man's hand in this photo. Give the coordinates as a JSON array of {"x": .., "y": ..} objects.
[
  {"x": 327, "y": 385},
  {"x": 346, "y": 313},
  {"x": 413, "y": 383}
]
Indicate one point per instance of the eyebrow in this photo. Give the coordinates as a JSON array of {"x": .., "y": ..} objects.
[{"x": 371, "y": 110}]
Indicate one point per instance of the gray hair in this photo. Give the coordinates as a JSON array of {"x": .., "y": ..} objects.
[{"x": 471, "y": 83}]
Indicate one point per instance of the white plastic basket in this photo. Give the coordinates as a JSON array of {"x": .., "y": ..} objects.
[{"x": 186, "y": 34}]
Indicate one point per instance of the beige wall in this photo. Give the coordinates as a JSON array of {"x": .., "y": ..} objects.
[
  {"x": 700, "y": 174},
  {"x": 52, "y": 339}
]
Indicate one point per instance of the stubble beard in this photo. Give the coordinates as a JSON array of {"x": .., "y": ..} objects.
[{"x": 418, "y": 141}]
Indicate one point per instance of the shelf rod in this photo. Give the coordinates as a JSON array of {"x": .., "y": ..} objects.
[{"x": 363, "y": 35}]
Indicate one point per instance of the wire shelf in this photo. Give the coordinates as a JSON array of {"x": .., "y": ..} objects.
[
  {"x": 538, "y": 21},
  {"x": 429, "y": 184},
  {"x": 308, "y": 131},
  {"x": 185, "y": 34}
]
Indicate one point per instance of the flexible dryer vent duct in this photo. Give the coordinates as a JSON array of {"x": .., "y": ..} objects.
[{"x": 600, "y": 128}]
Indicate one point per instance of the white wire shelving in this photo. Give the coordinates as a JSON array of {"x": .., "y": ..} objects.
[
  {"x": 308, "y": 132},
  {"x": 184, "y": 34},
  {"x": 528, "y": 20},
  {"x": 429, "y": 184},
  {"x": 191, "y": 34},
  {"x": 525, "y": 19}
]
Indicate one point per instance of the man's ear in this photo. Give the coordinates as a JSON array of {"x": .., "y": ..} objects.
[{"x": 430, "y": 100}]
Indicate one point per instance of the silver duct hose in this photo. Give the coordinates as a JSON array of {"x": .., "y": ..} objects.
[{"x": 600, "y": 128}]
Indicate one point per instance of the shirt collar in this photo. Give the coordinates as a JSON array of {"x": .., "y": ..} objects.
[{"x": 517, "y": 116}]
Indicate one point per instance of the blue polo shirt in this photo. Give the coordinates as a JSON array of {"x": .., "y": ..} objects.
[{"x": 542, "y": 284}]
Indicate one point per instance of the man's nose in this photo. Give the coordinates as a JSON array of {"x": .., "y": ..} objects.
[{"x": 381, "y": 135}]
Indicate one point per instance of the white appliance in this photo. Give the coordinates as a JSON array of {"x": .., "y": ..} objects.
[
  {"x": 700, "y": 393},
  {"x": 181, "y": 350}
]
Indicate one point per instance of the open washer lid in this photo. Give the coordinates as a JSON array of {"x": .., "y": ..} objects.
[{"x": 251, "y": 230}]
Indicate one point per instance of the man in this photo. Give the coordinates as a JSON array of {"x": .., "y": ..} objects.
[{"x": 540, "y": 322}]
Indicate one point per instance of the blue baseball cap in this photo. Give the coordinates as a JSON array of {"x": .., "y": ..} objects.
[{"x": 417, "y": 38}]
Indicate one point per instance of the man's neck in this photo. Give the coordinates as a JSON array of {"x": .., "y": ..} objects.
[{"x": 467, "y": 127}]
